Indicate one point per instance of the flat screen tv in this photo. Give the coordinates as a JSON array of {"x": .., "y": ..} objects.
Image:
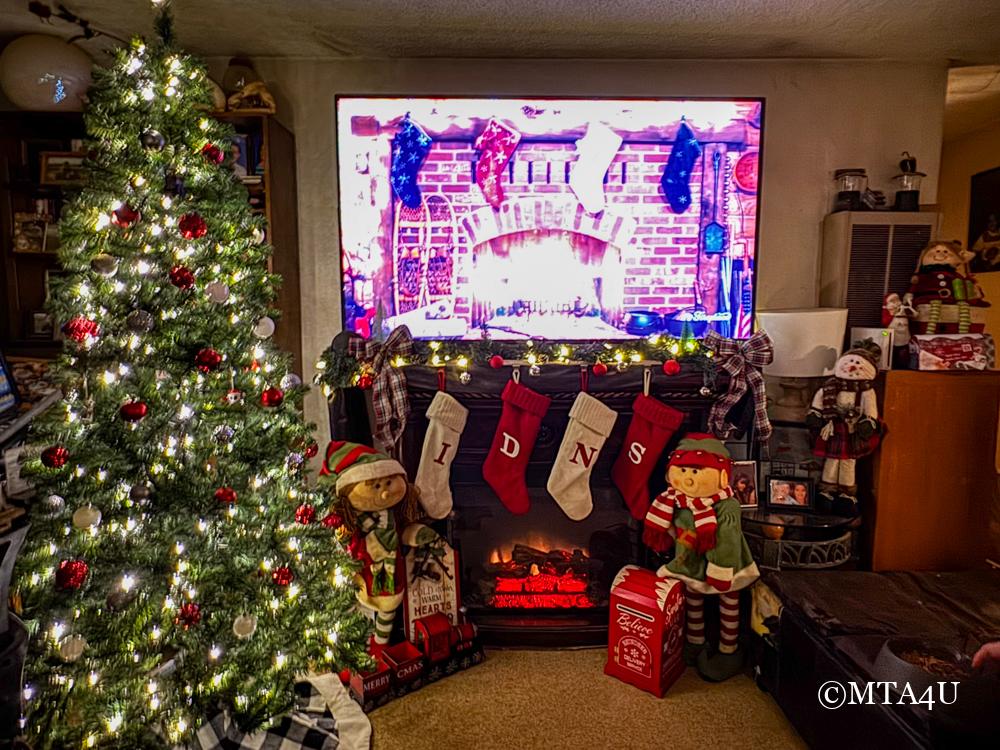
[{"x": 551, "y": 219}]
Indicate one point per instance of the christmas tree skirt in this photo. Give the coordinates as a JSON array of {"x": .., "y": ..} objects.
[{"x": 324, "y": 718}]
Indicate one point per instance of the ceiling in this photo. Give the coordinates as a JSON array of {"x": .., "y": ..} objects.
[{"x": 962, "y": 31}]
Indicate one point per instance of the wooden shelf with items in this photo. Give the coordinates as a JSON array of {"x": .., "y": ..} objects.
[
  {"x": 39, "y": 156},
  {"x": 267, "y": 154}
]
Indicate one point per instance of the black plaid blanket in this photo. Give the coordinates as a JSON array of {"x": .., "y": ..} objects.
[{"x": 310, "y": 726}]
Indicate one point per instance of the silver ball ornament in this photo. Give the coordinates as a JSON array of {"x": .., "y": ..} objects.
[
  {"x": 140, "y": 493},
  {"x": 217, "y": 292},
  {"x": 535, "y": 370},
  {"x": 105, "y": 265},
  {"x": 291, "y": 380},
  {"x": 264, "y": 328},
  {"x": 139, "y": 321},
  {"x": 71, "y": 647},
  {"x": 223, "y": 433},
  {"x": 53, "y": 505},
  {"x": 465, "y": 378},
  {"x": 621, "y": 366},
  {"x": 705, "y": 391}
]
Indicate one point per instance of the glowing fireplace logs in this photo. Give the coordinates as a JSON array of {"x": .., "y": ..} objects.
[{"x": 536, "y": 579}]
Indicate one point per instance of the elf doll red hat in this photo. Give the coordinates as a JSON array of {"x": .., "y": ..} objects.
[
  {"x": 701, "y": 450},
  {"x": 349, "y": 463}
]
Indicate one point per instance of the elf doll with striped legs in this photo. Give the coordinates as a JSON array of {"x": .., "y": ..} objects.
[
  {"x": 377, "y": 502},
  {"x": 699, "y": 512}
]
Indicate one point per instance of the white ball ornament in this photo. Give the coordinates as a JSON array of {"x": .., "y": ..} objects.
[
  {"x": 217, "y": 292},
  {"x": 86, "y": 517},
  {"x": 291, "y": 380},
  {"x": 244, "y": 626},
  {"x": 42, "y": 73},
  {"x": 264, "y": 328},
  {"x": 71, "y": 647}
]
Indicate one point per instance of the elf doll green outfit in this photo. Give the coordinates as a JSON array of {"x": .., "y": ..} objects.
[{"x": 699, "y": 512}]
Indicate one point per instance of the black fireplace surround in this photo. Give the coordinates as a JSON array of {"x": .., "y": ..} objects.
[{"x": 544, "y": 541}]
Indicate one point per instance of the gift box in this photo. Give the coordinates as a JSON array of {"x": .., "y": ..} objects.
[
  {"x": 646, "y": 630},
  {"x": 952, "y": 351}
]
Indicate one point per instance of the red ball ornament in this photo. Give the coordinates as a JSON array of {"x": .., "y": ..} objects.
[
  {"x": 671, "y": 367},
  {"x": 345, "y": 676},
  {"x": 600, "y": 369},
  {"x": 207, "y": 359},
  {"x": 188, "y": 615},
  {"x": 305, "y": 514},
  {"x": 226, "y": 495},
  {"x": 365, "y": 381},
  {"x": 311, "y": 450},
  {"x": 282, "y": 576},
  {"x": 333, "y": 521},
  {"x": 133, "y": 411},
  {"x": 80, "y": 329},
  {"x": 213, "y": 153},
  {"x": 181, "y": 277},
  {"x": 71, "y": 574},
  {"x": 192, "y": 226},
  {"x": 55, "y": 457},
  {"x": 496, "y": 361},
  {"x": 357, "y": 548},
  {"x": 272, "y": 397},
  {"x": 124, "y": 216}
]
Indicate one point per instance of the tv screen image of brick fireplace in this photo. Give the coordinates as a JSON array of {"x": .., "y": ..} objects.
[{"x": 565, "y": 219}]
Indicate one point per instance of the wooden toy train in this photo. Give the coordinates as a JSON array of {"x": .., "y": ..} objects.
[{"x": 440, "y": 649}]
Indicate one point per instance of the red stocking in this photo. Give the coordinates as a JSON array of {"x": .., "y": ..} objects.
[
  {"x": 513, "y": 442},
  {"x": 496, "y": 145},
  {"x": 652, "y": 425}
]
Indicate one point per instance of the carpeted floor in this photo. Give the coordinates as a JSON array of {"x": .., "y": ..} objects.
[{"x": 520, "y": 700}]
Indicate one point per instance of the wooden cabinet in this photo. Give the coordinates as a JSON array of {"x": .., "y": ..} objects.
[
  {"x": 934, "y": 479},
  {"x": 30, "y": 206}
]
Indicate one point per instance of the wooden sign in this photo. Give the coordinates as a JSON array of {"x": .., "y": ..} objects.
[{"x": 431, "y": 585}]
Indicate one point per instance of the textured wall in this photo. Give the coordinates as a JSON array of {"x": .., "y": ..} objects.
[{"x": 819, "y": 116}]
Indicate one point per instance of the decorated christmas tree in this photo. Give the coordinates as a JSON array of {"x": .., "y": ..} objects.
[{"x": 178, "y": 564}]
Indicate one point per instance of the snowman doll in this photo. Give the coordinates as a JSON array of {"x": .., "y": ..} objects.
[{"x": 844, "y": 419}]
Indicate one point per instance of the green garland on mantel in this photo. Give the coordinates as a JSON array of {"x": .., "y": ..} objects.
[{"x": 336, "y": 369}]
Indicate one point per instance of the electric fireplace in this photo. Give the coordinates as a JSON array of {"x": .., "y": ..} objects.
[{"x": 539, "y": 578}]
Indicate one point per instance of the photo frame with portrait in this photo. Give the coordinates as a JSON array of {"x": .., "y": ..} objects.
[
  {"x": 790, "y": 493},
  {"x": 744, "y": 483}
]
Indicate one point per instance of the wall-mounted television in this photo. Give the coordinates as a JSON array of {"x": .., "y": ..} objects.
[{"x": 548, "y": 218}]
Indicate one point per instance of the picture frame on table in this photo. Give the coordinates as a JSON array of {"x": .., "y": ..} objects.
[
  {"x": 62, "y": 168},
  {"x": 29, "y": 233},
  {"x": 744, "y": 483},
  {"x": 790, "y": 493},
  {"x": 41, "y": 326},
  {"x": 984, "y": 221},
  {"x": 239, "y": 156}
]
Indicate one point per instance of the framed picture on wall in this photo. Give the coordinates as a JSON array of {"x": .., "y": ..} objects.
[{"x": 984, "y": 221}]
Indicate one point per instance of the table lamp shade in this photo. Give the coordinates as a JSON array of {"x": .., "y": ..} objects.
[{"x": 807, "y": 341}]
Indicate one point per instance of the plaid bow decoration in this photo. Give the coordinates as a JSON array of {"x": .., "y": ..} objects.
[
  {"x": 389, "y": 384},
  {"x": 742, "y": 360}
]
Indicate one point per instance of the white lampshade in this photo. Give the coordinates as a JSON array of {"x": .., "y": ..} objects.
[
  {"x": 807, "y": 341},
  {"x": 45, "y": 74}
]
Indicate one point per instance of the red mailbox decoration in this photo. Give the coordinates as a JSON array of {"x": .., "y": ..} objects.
[{"x": 646, "y": 631}]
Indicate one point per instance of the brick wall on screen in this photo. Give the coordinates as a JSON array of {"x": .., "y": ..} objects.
[{"x": 661, "y": 265}]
